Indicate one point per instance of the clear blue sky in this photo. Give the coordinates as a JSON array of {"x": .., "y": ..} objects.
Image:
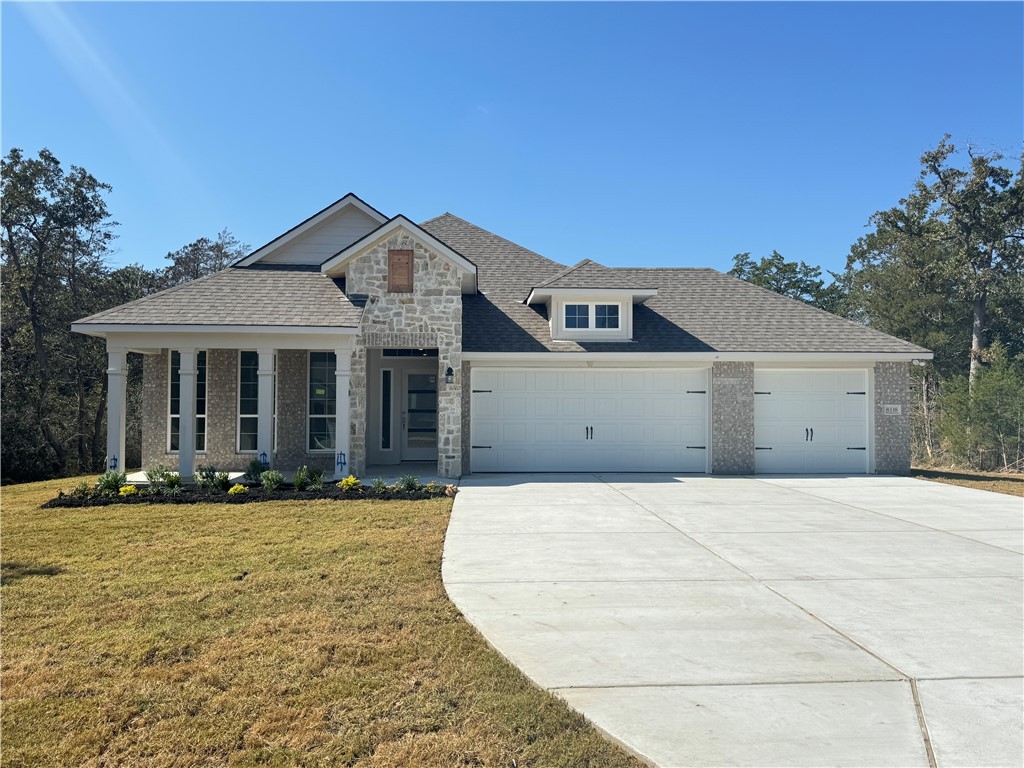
[{"x": 642, "y": 134}]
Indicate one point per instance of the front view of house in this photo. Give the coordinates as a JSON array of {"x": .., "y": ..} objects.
[{"x": 356, "y": 340}]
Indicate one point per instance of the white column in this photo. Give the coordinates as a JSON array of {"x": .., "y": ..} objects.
[
  {"x": 342, "y": 429},
  {"x": 187, "y": 413},
  {"x": 265, "y": 404},
  {"x": 116, "y": 392}
]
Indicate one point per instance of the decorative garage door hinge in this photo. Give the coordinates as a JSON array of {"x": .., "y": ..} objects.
[
  {"x": 698, "y": 447},
  {"x": 856, "y": 449},
  {"x": 758, "y": 448},
  {"x": 696, "y": 391},
  {"x": 478, "y": 391},
  {"x": 856, "y": 393},
  {"x": 762, "y": 393},
  {"x": 480, "y": 446}
]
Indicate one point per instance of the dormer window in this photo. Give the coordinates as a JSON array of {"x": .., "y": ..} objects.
[{"x": 606, "y": 316}]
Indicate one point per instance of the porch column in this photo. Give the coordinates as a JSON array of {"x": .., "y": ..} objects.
[
  {"x": 342, "y": 420},
  {"x": 187, "y": 413},
  {"x": 265, "y": 404},
  {"x": 116, "y": 391}
]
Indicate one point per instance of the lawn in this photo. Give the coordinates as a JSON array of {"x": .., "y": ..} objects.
[
  {"x": 999, "y": 482},
  {"x": 273, "y": 634}
]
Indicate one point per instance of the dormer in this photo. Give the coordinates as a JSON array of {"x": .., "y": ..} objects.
[{"x": 590, "y": 302}]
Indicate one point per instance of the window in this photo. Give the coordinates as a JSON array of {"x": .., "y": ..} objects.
[
  {"x": 577, "y": 315},
  {"x": 248, "y": 401},
  {"x": 322, "y": 405},
  {"x": 400, "y": 271},
  {"x": 174, "y": 405},
  {"x": 606, "y": 316},
  {"x": 385, "y": 410}
]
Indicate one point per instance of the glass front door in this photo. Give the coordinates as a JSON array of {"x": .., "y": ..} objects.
[{"x": 419, "y": 416}]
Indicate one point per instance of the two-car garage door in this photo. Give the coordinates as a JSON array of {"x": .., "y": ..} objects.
[{"x": 589, "y": 420}]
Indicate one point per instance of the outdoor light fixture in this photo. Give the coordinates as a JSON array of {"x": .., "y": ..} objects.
[
  {"x": 113, "y": 462},
  {"x": 449, "y": 376},
  {"x": 263, "y": 460},
  {"x": 340, "y": 462}
]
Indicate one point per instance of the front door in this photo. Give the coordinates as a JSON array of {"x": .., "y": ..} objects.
[{"x": 419, "y": 416}]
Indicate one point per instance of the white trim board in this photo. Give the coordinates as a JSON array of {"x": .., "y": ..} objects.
[{"x": 644, "y": 358}]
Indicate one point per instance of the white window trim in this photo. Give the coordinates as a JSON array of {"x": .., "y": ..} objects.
[
  {"x": 390, "y": 405},
  {"x": 622, "y": 333},
  {"x": 309, "y": 416},
  {"x": 170, "y": 367},
  {"x": 238, "y": 406}
]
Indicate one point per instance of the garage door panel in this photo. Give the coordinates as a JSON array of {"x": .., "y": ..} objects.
[
  {"x": 638, "y": 420},
  {"x": 809, "y": 419}
]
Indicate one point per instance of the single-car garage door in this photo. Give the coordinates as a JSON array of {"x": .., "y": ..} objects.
[
  {"x": 811, "y": 421},
  {"x": 589, "y": 420}
]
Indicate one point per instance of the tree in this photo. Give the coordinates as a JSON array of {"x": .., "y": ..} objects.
[
  {"x": 56, "y": 232},
  {"x": 202, "y": 257},
  {"x": 973, "y": 218},
  {"x": 797, "y": 280}
]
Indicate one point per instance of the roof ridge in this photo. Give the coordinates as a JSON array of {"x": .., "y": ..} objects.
[
  {"x": 492, "y": 234},
  {"x": 570, "y": 270},
  {"x": 446, "y": 213}
]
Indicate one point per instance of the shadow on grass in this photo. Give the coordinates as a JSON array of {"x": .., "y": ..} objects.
[
  {"x": 969, "y": 476},
  {"x": 13, "y": 571}
]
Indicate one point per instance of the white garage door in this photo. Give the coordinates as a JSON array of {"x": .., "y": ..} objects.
[
  {"x": 588, "y": 420},
  {"x": 811, "y": 421}
]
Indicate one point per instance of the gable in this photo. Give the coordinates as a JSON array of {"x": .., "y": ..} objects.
[{"x": 324, "y": 233}]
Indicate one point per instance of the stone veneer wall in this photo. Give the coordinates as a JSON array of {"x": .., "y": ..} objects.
[
  {"x": 732, "y": 418},
  {"x": 429, "y": 317},
  {"x": 892, "y": 433},
  {"x": 222, "y": 410},
  {"x": 466, "y": 429}
]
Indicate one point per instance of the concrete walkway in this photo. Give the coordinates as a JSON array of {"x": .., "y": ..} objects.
[{"x": 706, "y": 621}]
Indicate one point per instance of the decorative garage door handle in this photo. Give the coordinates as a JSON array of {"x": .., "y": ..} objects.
[
  {"x": 812, "y": 434},
  {"x": 807, "y": 434}
]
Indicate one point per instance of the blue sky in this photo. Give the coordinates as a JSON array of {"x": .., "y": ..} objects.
[{"x": 632, "y": 134}]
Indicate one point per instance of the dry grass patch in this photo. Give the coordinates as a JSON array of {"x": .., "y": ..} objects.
[
  {"x": 274, "y": 634},
  {"x": 1000, "y": 482}
]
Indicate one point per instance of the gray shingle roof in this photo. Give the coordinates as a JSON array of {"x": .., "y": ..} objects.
[
  {"x": 502, "y": 265},
  {"x": 256, "y": 296},
  {"x": 590, "y": 274},
  {"x": 696, "y": 310}
]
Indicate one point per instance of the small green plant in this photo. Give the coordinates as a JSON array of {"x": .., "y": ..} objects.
[
  {"x": 82, "y": 491},
  {"x": 221, "y": 481},
  {"x": 206, "y": 474},
  {"x": 254, "y": 470},
  {"x": 433, "y": 487},
  {"x": 271, "y": 480},
  {"x": 379, "y": 486},
  {"x": 350, "y": 484},
  {"x": 110, "y": 482},
  {"x": 128, "y": 490},
  {"x": 409, "y": 483},
  {"x": 157, "y": 477},
  {"x": 172, "y": 484},
  {"x": 316, "y": 479},
  {"x": 237, "y": 490},
  {"x": 301, "y": 479}
]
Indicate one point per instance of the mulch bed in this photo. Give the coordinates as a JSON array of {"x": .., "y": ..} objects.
[{"x": 255, "y": 494}]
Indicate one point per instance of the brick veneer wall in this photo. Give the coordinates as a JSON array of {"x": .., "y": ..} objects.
[
  {"x": 892, "y": 433},
  {"x": 732, "y": 418},
  {"x": 429, "y": 317},
  {"x": 222, "y": 412}
]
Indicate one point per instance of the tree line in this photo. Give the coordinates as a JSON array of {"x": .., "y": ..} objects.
[
  {"x": 943, "y": 269},
  {"x": 57, "y": 237}
]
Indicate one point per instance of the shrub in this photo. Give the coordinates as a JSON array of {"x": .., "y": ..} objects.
[
  {"x": 237, "y": 489},
  {"x": 272, "y": 479},
  {"x": 301, "y": 479},
  {"x": 221, "y": 481},
  {"x": 82, "y": 491},
  {"x": 157, "y": 477},
  {"x": 433, "y": 487},
  {"x": 409, "y": 483},
  {"x": 206, "y": 474},
  {"x": 254, "y": 470},
  {"x": 316, "y": 479},
  {"x": 128, "y": 490},
  {"x": 450, "y": 490},
  {"x": 350, "y": 484},
  {"x": 172, "y": 484},
  {"x": 110, "y": 482},
  {"x": 379, "y": 486}
]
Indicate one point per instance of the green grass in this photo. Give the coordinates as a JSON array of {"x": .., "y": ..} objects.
[{"x": 273, "y": 634}]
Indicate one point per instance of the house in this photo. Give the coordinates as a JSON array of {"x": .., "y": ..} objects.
[{"x": 356, "y": 339}]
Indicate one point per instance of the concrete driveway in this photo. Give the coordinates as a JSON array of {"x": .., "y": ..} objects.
[{"x": 705, "y": 621}]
